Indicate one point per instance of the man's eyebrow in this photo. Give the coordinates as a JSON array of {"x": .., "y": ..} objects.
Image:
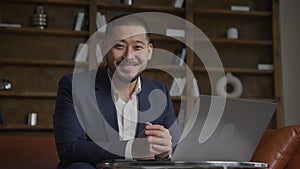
[
  {"x": 134, "y": 41},
  {"x": 120, "y": 40},
  {"x": 139, "y": 41}
]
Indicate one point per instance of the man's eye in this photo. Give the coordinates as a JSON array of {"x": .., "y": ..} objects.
[
  {"x": 137, "y": 47},
  {"x": 119, "y": 46}
]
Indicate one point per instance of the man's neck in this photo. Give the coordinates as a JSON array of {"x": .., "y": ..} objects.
[{"x": 125, "y": 89}]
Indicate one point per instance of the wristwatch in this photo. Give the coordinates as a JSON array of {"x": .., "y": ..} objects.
[{"x": 166, "y": 158}]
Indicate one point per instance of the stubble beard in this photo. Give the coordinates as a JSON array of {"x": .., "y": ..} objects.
[{"x": 119, "y": 76}]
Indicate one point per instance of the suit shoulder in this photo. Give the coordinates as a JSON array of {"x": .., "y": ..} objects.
[
  {"x": 68, "y": 78},
  {"x": 153, "y": 83}
]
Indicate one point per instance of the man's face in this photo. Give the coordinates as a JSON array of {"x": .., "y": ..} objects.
[{"x": 129, "y": 54}]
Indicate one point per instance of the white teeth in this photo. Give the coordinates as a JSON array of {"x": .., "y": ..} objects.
[{"x": 129, "y": 64}]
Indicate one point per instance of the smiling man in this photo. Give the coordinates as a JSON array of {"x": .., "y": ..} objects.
[{"x": 139, "y": 111}]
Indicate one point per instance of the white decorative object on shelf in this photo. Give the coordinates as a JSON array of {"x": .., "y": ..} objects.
[
  {"x": 32, "y": 119},
  {"x": 175, "y": 32},
  {"x": 239, "y": 8},
  {"x": 39, "y": 19},
  {"x": 232, "y": 33},
  {"x": 229, "y": 79}
]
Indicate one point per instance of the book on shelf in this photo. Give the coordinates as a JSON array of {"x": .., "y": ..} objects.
[
  {"x": 82, "y": 52},
  {"x": 265, "y": 66},
  {"x": 85, "y": 25},
  {"x": 175, "y": 32},
  {"x": 81, "y": 22},
  {"x": 178, "y": 85},
  {"x": 101, "y": 22},
  {"x": 99, "y": 56},
  {"x": 196, "y": 88},
  {"x": 11, "y": 25},
  {"x": 178, "y": 3},
  {"x": 239, "y": 8},
  {"x": 180, "y": 57}
]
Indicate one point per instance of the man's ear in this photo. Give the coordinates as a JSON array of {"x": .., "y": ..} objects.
[{"x": 150, "y": 51}]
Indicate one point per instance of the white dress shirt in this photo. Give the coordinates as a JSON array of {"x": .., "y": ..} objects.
[{"x": 127, "y": 114}]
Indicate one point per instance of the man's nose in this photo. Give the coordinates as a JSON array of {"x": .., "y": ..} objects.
[{"x": 129, "y": 52}]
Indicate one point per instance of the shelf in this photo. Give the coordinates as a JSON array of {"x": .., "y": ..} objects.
[
  {"x": 233, "y": 13},
  {"x": 244, "y": 98},
  {"x": 261, "y": 99},
  {"x": 154, "y": 37},
  {"x": 165, "y": 38},
  {"x": 237, "y": 42},
  {"x": 258, "y": 43},
  {"x": 233, "y": 70},
  {"x": 25, "y": 127},
  {"x": 49, "y": 63},
  {"x": 52, "y": 2},
  {"x": 169, "y": 68},
  {"x": 40, "y": 95},
  {"x": 47, "y": 31},
  {"x": 243, "y": 42},
  {"x": 148, "y": 8},
  {"x": 225, "y": 41}
]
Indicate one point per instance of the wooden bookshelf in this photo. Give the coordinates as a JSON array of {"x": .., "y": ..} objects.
[{"x": 35, "y": 59}]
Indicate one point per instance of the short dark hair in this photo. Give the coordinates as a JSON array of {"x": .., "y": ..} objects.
[{"x": 127, "y": 19}]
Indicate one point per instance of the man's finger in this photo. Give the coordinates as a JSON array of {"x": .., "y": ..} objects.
[{"x": 159, "y": 141}]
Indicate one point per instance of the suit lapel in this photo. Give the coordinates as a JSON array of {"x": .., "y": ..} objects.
[
  {"x": 142, "y": 107},
  {"x": 104, "y": 98}
]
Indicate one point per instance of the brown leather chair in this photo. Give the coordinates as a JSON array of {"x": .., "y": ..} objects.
[
  {"x": 280, "y": 148},
  {"x": 27, "y": 152}
]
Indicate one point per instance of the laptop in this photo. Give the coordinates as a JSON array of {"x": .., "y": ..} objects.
[
  {"x": 230, "y": 134},
  {"x": 221, "y": 132}
]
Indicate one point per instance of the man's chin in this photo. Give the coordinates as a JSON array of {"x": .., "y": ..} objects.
[{"x": 127, "y": 78}]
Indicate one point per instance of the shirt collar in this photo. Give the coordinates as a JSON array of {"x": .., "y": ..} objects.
[{"x": 115, "y": 93}]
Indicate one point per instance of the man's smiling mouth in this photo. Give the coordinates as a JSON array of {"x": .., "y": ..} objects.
[{"x": 128, "y": 63}]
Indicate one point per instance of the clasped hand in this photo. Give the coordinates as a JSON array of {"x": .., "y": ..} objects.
[{"x": 154, "y": 141}]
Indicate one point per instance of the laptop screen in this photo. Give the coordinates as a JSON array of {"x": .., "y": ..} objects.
[{"x": 223, "y": 132}]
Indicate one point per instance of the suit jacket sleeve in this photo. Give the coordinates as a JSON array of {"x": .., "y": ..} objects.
[
  {"x": 156, "y": 106},
  {"x": 72, "y": 143}
]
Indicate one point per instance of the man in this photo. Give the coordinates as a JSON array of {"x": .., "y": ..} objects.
[{"x": 137, "y": 117}]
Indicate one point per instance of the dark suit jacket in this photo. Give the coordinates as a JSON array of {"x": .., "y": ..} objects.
[{"x": 73, "y": 140}]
